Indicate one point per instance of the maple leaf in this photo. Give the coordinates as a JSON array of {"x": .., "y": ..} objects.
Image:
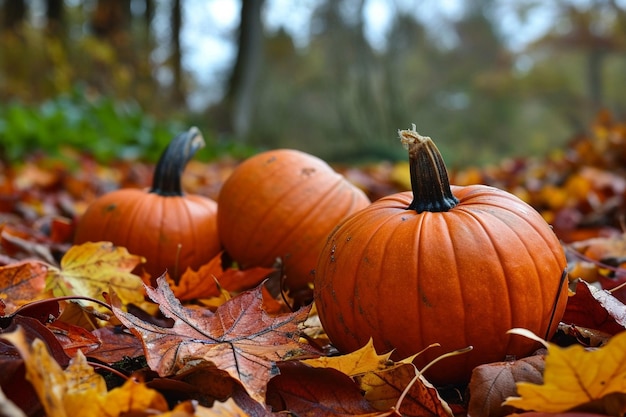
[
  {"x": 208, "y": 280},
  {"x": 93, "y": 268},
  {"x": 239, "y": 338},
  {"x": 576, "y": 378}
]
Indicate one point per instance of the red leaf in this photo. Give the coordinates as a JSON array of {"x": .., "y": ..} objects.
[{"x": 239, "y": 338}]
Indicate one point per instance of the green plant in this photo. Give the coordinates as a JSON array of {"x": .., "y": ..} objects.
[{"x": 100, "y": 126}]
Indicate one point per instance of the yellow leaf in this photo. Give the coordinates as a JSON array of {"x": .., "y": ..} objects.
[
  {"x": 43, "y": 372},
  {"x": 575, "y": 377},
  {"x": 358, "y": 362},
  {"x": 79, "y": 391},
  {"x": 96, "y": 267},
  {"x": 400, "y": 175}
]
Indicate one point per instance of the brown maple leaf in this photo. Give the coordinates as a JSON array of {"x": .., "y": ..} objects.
[{"x": 239, "y": 338}]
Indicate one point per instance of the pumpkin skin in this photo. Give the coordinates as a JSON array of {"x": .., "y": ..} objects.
[
  {"x": 458, "y": 277},
  {"x": 172, "y": 230},
  {"x": 283, "y": 204}
]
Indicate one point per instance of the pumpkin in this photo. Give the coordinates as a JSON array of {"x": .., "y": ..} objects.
[
  {"x": 453, "y": 265},
  {"x": 282, "y": 204},
  {"x": 172, "y": 230}
]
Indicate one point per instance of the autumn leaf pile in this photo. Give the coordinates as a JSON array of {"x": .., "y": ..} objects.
[{"x": 82, "y": 335}]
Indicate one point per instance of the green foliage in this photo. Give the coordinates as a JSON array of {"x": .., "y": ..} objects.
[
  {"x": 99, "y": 126},
  {"x": 106, "y": 128}
]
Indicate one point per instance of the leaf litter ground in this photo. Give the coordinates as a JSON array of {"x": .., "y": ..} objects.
[{"x": 213, "y": 343}]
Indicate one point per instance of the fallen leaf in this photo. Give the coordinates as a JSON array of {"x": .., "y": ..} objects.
[
  {"x": 22, "y": 283},
  {"x": 74, "y": 338},
  {"x": 78, "y": 390},
  {"x": 304, "y": 390},
  {"x": 383, "y": 390},
  {"x": 203, "y": 283},
  {"x": 93, "y": 268},
  {"x": 358, "y": 362},
  {"x": 115, "y": 344},
  {"x": 228, "y": 408},
  {"x": 594, "y": 308},
  {"x": 492, "y": 383},
  {"x": 239, "y": 338},
  {"x": 575, "y": 377}
]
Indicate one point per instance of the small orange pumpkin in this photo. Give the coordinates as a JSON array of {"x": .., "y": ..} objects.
[
  {"x": 283, "y": 204},
  {"x": 172, "y": 230},
  {"x": 454, "y": 265}
]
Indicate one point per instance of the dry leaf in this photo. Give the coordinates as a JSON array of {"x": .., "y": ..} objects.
[
  {"x": 78, "y": 391},
  {"x": 304, "y": 390},
  {"x": 115, "y": 345},
  {"x": 358, "y": 362},
  {"x": 93, "y": 268},
  {"x": 203, "y": 283},
  {"x": 575, "y": 377},
  {"x": 594, "y": 308},
  {"x": 239, "y": 338},
  {"x": 492, "y": 383},
  {"x": 383, "y": 389},
  {"x": 21, "y": 283}
]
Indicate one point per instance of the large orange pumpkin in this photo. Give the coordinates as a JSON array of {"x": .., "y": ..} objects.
[
  {"x": 454, "y": 265},
  {"x": 282, "y": 204},
  {"x": 171, "y": 229}
]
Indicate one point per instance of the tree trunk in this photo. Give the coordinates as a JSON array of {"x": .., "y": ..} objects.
[
  {"x": 178, "y": 95},
  {"x": 14, "y": 12},
  {"x": 240, "y": 97},
  {"x": 54, "y": 16},
  {"x": 110, "y": 17}
]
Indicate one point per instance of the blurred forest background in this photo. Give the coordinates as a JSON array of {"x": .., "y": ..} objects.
[{"x": 112, "y": 77}]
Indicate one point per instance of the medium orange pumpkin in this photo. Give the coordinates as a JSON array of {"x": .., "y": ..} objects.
[
  {"x": 283, "y": 204},
  {"x": 458, "y": 266},
  {"x": 171, "y": 229}
]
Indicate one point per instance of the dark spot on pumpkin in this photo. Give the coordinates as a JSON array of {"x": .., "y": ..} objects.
[
  {"x": 271, "y": 159},
  {"x": 307, "y": 172},
  {"x": 110, "y": 207},
  {"x": 403, "y": 218}
]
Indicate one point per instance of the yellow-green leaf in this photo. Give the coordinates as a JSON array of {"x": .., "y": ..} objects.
[{"x": 96, "y": 267}]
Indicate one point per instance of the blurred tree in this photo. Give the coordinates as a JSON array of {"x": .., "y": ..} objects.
[
  {"x": 111, "y": 17},
  {"x": 240, "y": 99},
  {"x": 178, "y": 89},
  {"x": 14, "y": 13},
  {"x": 597, "y": 30},
  {"x": 55, "y": 16}
]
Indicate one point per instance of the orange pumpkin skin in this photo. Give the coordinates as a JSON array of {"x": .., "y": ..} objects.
[
  {"x": 283, "y": 204},
  {"x": 458, "y": 278},
  {"x": 172, "y": 230}
]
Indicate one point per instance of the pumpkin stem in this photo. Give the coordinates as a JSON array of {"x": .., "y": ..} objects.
[
  {"x": 169, "y": 169},
  {"x": 429, "y": 176}
]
